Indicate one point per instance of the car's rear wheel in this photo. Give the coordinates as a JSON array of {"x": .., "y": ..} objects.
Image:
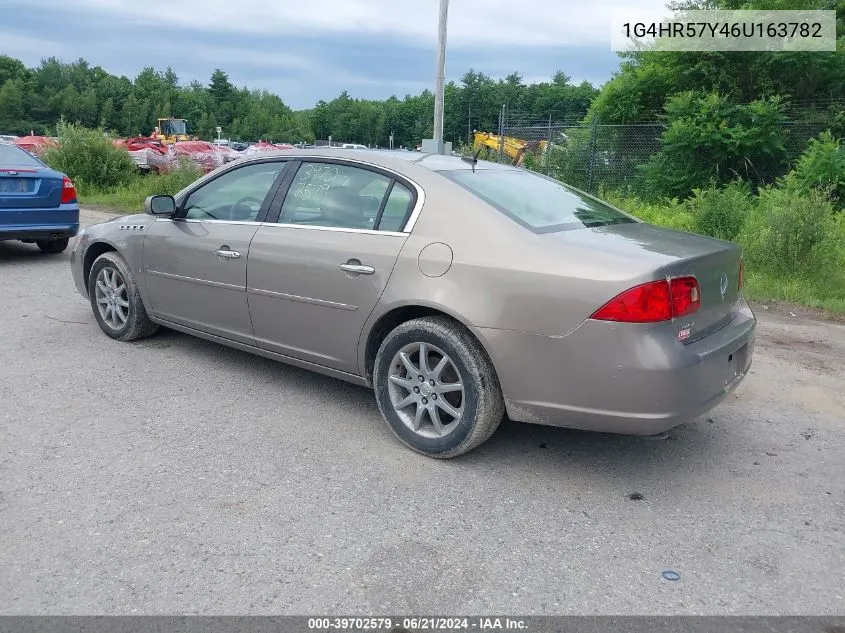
[
  {"x": 436, "y": 387},
  {"x": 52, "y": 246},
  {"x": 115, "y": 299}
]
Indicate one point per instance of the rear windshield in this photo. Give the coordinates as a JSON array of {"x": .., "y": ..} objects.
[
  {"x": 14, "y": 156},
  {"x": 540, "y": 204}
]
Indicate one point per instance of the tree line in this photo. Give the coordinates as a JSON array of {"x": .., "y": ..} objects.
[{"x": 35, "y": 99}]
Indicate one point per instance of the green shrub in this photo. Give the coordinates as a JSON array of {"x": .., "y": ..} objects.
[
  {"x": 174, "y": 181},
  {"x": 131, "y": 196},
  {"x": 667, "y": 213},
  {"x": 795, "y": 234},
  {"x": 720, "y": 211},
  {"x": 822, "y": 167},
  {"x": 709, "y": 138},
  {"x": 90, "y": 159},
  {"x": 568, "y": 159}
]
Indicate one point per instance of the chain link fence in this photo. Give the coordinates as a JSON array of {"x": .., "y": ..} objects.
[{"x": 613, "y": 157}]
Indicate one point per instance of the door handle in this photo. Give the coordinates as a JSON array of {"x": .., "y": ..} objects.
[
  {"x": 224, "y": 253},
  {"x": 358, "y": 269}
]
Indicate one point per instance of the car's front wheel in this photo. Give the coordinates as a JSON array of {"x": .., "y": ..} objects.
[
  {"x": 115, "y": 299},
  {"x": 436, "y": 387},
  {"x": 52, "y": 246}
]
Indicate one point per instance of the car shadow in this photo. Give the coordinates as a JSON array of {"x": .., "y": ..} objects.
[
  {"x": 15, "y": 252},
  {"x": 515, "y": 446}
]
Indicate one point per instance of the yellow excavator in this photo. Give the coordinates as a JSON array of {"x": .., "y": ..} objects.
[
  {"x": 170, "y": 130},
  {"x": 513, "y": 148}
]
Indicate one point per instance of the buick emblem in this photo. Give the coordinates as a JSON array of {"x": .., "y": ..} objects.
[{"x": 723, "y": 284}]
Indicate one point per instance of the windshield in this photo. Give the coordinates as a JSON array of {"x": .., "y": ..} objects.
[
  {"x": 173, "y": 127},
  {"x": 13, "y": 156},
  {"x": 538, "y": 203}
]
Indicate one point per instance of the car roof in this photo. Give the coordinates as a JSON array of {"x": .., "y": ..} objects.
[{"x": 391, "y": 159}]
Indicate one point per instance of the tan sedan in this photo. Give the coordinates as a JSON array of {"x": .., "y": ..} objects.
[{"x": 459, "y": 290}]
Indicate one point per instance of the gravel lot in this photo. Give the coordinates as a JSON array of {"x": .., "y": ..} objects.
[{"x": 178, "y": 476}]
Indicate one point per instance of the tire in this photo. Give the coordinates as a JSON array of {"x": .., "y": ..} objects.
[
  {"x": 479, "y": 402},
  {"x": 124, "y": 302},
  {"x": 52, "y": 246}
]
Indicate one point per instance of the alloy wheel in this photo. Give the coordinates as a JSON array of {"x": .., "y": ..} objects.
[
  {"x": 426, "y": 390},
  {"x": 112, "y": 299}
]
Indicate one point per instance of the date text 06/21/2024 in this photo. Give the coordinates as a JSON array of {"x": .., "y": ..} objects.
[{"x": 415, "y": 623}]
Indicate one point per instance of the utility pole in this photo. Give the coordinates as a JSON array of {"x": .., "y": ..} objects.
[
  {"x": 502, "y": 132},
  {"x": 441, "y": 73},
  {"x": 469, "y": 124}
]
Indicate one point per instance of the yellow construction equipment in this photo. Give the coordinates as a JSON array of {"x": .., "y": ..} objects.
[
  {"x": 170, "y": 130},
  {"x": 513, "y": 148}
]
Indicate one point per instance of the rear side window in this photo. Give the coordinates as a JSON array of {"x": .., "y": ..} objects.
[
  {"x": 395, "y": 209},
  {"x": 538, "y": 203},
  {"x": 14, "y": 156},
  {"x": 334, "y": 195}
]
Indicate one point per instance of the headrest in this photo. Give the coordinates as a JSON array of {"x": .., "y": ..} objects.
[{"x": 343, "y": 206}]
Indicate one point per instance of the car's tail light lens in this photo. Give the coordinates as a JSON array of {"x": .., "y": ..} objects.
[
  {"x": 641, "y": 304},
  {"x": 686, "y": 296},
  {"x": 68, "y": 191},
  {"x": 741, "y": 274},
  {"x": 654, "y": 301}
]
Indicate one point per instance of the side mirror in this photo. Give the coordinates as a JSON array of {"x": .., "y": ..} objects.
[{"x": 160, "y": 205}]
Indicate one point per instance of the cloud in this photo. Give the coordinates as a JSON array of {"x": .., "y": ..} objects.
[
  {"x": 28, "y": 45},
  {"x": 246, "y": 55},
  {"x": 471, "y": 22},
  {"x": 310, "y": 51}
]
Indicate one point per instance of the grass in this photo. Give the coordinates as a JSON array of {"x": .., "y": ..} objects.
[
  {"x": 826, "y": 294},
  {"x": 130, "y": 197}
]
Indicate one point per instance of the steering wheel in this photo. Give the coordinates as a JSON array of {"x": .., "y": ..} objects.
[
  {"x": 193, "y": 212},
  {"x": 246, "y": 211}
]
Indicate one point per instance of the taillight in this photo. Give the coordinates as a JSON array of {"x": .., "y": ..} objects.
[
  {"x": 686, "y": 296},
  {"x": 654, "y": 301},
  {"x": 741, "y": 274},
  {"x": 641, "y": 304},
  {"x": 68, "y": 191}
]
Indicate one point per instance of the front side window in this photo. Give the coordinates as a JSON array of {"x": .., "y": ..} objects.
[
  {"x": 327, "y": 194},
  {"x": 540, "y": 204},
  {"x": 236, "y": 195}
]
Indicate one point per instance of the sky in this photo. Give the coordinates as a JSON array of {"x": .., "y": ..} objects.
[{"x": 307, "y": 50}]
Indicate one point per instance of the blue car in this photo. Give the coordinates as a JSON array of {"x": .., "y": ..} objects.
[{"x": 37, "y": 204}]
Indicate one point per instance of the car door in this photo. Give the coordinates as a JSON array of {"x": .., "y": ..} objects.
[
  {"x": 316, "y": 274},
  {"x": 195, "y": 263}
]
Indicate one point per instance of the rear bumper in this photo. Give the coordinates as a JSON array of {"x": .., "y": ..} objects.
[
  {"x": 39, "y": 224},
  {"x": 53, "y": 232},
  {"x": 615, "y": 378}
]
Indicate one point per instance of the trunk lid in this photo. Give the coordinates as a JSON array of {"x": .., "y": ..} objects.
[
  {"x": 640, "y": 248},
  {"x": 27, "y": 183},
  {"x": 717, "y": 273},
  {"x": 29, "y": 188}
]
